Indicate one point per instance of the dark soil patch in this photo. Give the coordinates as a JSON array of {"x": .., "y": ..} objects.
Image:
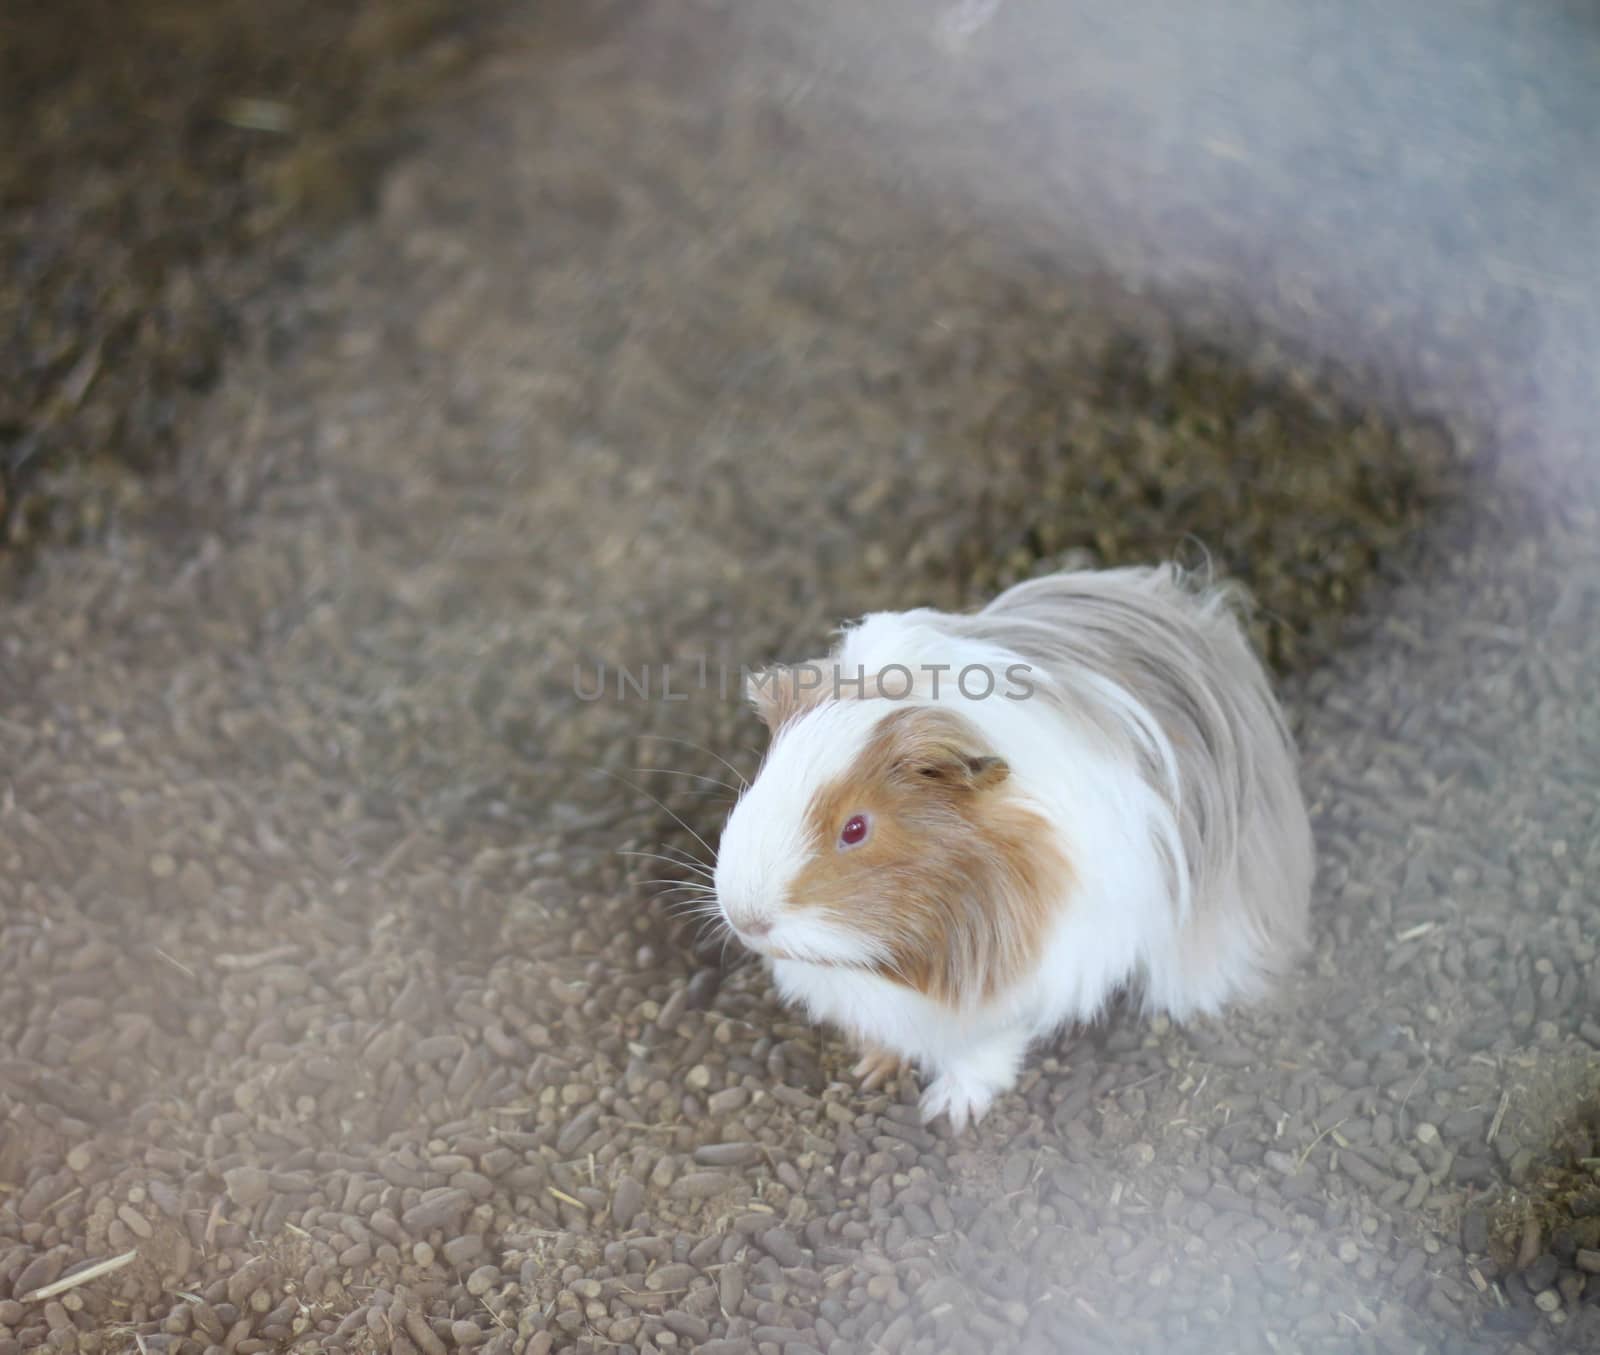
[
  {"x": 1545, "y": 1232},
  {"x": 1187, "y": 450},
  {"x": 160, "y": 164}
]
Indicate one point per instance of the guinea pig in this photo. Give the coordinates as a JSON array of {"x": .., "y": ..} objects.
[{"x": 971, "y": 831}]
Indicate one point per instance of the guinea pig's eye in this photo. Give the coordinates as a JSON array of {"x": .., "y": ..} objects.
[{"x": 854, "y": 831}]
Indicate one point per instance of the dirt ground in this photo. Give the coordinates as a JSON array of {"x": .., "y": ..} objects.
[{"x": 336, "y": 1010}]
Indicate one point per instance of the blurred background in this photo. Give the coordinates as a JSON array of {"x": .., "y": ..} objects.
[{"x": 368, "y": 370}]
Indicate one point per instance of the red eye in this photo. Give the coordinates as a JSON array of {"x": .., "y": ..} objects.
[{"x": 854, "y": 831}]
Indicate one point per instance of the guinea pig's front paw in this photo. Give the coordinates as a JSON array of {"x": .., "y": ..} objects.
[
  {"x": 966, "y": 1086},
  {"x": 878, "y": 1067},
  {"x": 964, "y": 1102}
]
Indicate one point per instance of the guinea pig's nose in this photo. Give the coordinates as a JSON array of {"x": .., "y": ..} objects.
[{"x": 760, "y": 927}]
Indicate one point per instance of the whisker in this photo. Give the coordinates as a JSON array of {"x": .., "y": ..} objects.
[
  {"x": 683, "y": 852},
  {"x": 700, "y": 888},
  {"x": 693, "y": 890},
  {"x": 693, "y": 776},
  {"x": 700, "y": 748},
  {"x": 670, "y": 860},
  {"x": 698, "y": 897},
  {"x": 678, "y": 886},
  {"x": 703, "y": 923},
  {"x": 722, "y": 954},
  {"x": 689, "y": 904},
  {"x": 661, "y": 804},
  {"x": 690, "y": 890}
]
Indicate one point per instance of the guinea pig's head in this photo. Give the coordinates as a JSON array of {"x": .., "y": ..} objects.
[{"x": 889, "y": 837}]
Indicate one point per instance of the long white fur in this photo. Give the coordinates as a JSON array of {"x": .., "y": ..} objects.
[{"x": 1155, "y": 751}]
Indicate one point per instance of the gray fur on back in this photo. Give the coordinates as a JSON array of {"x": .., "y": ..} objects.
[{"x": 1160, "y": 661}]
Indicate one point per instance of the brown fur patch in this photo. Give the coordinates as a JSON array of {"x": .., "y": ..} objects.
[{"x": 958, "y": 878}]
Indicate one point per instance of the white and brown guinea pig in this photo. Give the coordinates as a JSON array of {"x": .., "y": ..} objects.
[{"x": 971, "y": 831}]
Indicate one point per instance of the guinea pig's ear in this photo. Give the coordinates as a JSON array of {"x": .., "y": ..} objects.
[
  {"x": 767, "y": 691},
  {"x": 781, "y": 692},
  {"x": 938, "y": 747}
]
